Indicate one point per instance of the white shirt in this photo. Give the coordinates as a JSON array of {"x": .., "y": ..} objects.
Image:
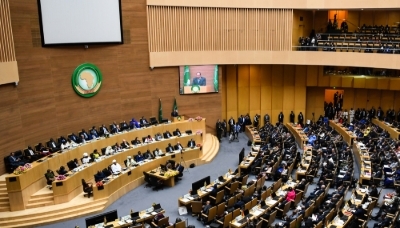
[
  {"x": 31, "y": 152},
  {"x": 130, "y": 162},
  {"x": 65, "y": 146},
  {"x": 116, "y": 168},
  {"x": 85, "y": 160},
  {"x": 158, "y": 153}
]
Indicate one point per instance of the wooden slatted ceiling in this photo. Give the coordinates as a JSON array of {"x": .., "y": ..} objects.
[
  {"x": 7, "y": 52},
  {"x": 216, "y": 29}
]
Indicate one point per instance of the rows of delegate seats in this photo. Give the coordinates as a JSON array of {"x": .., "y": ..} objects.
[
  {"x": 369, "y": 39},
  {"x": 41, "y": 151},
  {"x": 338, "y": 172}
]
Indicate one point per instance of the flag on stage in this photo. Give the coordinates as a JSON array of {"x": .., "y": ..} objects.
[
  {"x": 216, "y": 78},
  {"x": 160, "y": 118},
  {"x": 175, "y": 107}
]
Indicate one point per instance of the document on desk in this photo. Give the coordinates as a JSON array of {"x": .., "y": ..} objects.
[
  {"x": 185, "y": 200},
  {"x": 271, "y": 202}
]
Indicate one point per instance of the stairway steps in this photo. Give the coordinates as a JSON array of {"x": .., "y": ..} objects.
[
  {"x": 39, "y": 204},
  {"x": 4, "y": 199},
  {"x": 213, "y": 150},
  {"x": 41, "y": 195},
  {"x": 53, "y": 216},
  {"x": 41, "y": 199},
  {"x": 3, "y": 209}
]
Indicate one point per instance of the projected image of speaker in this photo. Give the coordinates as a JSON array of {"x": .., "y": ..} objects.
[{"x": 198, "y": 79}]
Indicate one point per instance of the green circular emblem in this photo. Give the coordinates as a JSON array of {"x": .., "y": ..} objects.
[
  {"x": 195, "y": 89},
  {"x": 87, "y": 80}
]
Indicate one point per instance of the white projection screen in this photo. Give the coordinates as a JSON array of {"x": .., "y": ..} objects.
[{"x": 80, "y": 22}]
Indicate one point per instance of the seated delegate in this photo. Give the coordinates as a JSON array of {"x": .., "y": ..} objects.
[
  {"x": 157, "y": 153},
  {"x": 191, "y": 143},
  {"x": 115, "y": 167}
]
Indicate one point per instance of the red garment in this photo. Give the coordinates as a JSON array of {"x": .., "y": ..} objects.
[{"x": 291, "y": 196}]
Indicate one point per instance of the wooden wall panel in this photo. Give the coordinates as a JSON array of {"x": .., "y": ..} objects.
[
  {"x": 348, "y": 99},
  {"x": 347, "y": 81},
  {"x": 361, "y": 97},
  {"x": 301, "y": 76},
  {"x": 44, "y": 105},
  {"x": 322, "y": 79},
  {"x": 374, "y": 99},
  {"x": 371, "y": 83},
  {"x": 359, "y": 82},
  {"x": 394, "y": 84},
  {"x": 387, "y": 100},
  {"x": 335, "y": 81},
  {"x": 312, "y": 75},
  {"x": 231, "y": 92},
  {"x": 243, "y": 88},
  {"x": 215, "y": 29},
  {"x": 383, "y": 83}
]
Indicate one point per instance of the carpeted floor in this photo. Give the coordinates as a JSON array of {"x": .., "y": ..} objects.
[{"x": 142, "y": 198}]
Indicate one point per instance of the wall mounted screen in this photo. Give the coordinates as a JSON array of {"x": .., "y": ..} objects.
[
  {"x": 80, "y": 21},
  {"x": 198, "y": 79}
]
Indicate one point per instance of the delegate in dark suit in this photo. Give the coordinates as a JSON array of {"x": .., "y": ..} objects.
[
  {"x": 169, "y": 148},
  {"x": 167, "y": 135},
  {"x": 199, "y": 80},
  {"x": 178, "y": 147},
  {"x": 177, "y": 132},
  {"x": 191, "y": 143}
]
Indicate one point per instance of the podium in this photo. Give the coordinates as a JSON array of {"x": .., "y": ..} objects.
[
  {"x": 177, "y": 119},
  {"x": 203, "y": 89}
]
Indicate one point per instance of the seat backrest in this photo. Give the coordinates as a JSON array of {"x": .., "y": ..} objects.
[
  {"x": 163, "y": 221},
  {"x": 231, "y": 201},
  {"x": 235, "y": 213},
  {"x": 271, "y": 219},
  {"x": 212, "y": 213},
  {"x": 221, "y": 208},
  {"x": 247, "y": 206},
  {"x": 259, "y": 224},
  {"x": 197, "y": 206},
  {"x": 181, "y": 224},
  {"x": 244, "y": 180},
  {"x": 287, "y": 207},
  {"x": 254, "y": 202},
  {"x": 227, "y": 219}
]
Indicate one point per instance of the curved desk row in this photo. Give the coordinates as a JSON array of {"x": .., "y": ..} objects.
[
  {"x": 21, "y": 187},
  {"x": 348, "y": 136},
  {"x": 394, "y": 132},
  {"x": 299, "y": 135}
]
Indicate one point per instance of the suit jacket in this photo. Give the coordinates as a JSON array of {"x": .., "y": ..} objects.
[
  {"x": 231, "y": 121},
  {"x": 27, "y": 153},
  {"x": 85, "y": 135},
  {"x": 177, "y": 133},
  {"x": 206, "y": 208},
  {"x": 73, "y": 137},
  {"x": 177, "y": 147},
  {"x": 191, "y": 144},
  {"x": 373, "y": 193},
  {"x": 169, "y": 149},
  {"x": 199, "y": 81},
  {"x": 125, "y": 145},
  {"x": 104, "y": 130},
  {"x": 167, "y": 135},
  {"x": 143, "y": 122}
]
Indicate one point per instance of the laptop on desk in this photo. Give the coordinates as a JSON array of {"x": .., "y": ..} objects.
[
  {"x": 157, "y": 208},
  {"x": 135, "y": 216},
  {"x": 342, "y": 216}
]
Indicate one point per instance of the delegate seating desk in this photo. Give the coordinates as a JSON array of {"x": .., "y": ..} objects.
[
  {"x": 256, "y": 211},
  {"x": 187, "y": 201},
  {"x": 337, "y": 222},
  {"x": 252, "y": 134},
  {"x": 302, "y": 170},
  {"x": 21, "y": 187},
  {"x": 348, "y": 136},
  {"x": 129, "y": 176},
  {"x": 125, "y": 221},
  {"x": 362, "y": 157},
  {"x": 394, "y": 132},
  {"x": 299, "y": 135},
  {"x": 247, "y": 161}
]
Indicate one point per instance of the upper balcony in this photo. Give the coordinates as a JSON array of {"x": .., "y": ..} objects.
[
  {"x": 287, "y": 4},
  {"x": 214, "y": 35}
]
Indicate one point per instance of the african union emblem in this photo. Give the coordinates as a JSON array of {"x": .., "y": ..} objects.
[{"x": 87, "y": 80}]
